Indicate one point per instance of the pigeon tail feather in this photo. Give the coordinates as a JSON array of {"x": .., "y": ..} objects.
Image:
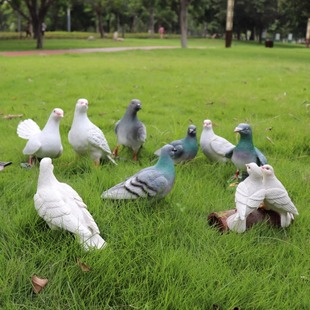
[
  {"x": 95, "y": 241},
  {"x": 27, "y": 128},
  {"x": 235, "y": 223}
]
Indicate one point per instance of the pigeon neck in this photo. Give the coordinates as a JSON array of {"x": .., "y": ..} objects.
[
  {"x": 246, "y": 140},
  {"x": 165, "y": 161},
  {"x": 131, "y": 114},
  {"x": 46, "y": 178},
  {"x": 51, "y": 124}
]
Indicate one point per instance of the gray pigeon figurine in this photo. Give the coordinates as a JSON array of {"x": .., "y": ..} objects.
[
  {"x": 245, "y": 152},
  {"x": 62, "y": 207},
  {"x": 152, "y": 182},
  {"x": 212, "y": 145},
  {"x": 249, "y": 195},
  {"x": 86, "y": 138},
  {"x": 276, "y": 197},
  {"x": 187, "y": 147},
  {"x": 130, "y": 131},
  {"x": 45, "y": 143}
]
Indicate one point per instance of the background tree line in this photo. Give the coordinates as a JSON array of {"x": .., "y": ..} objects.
[{"x": 185, "y": 17}]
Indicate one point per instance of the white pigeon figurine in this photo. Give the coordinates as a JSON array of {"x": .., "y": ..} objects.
[
  {"x": 85, "y": 137},
  {"x": 212, "y": 145},
  {"x": 249, "y": 195},
  {"x": 45, "y": 143},
  {"x": 62, "y": 207},
  {"x": 277, "y": 198},
  {"x": 155, "y": 181},
  {"x": 130, "y": 131}
]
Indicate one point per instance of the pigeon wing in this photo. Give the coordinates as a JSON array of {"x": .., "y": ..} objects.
[
  {"x": 33, "y": 145},
  {"x": 262, "y": 160},
  {"x": 279, "y": 198},
  {"x": 97, "y": 139},
  {"x": 221, "y": 146},
  {"x": 141, "y": 133}
]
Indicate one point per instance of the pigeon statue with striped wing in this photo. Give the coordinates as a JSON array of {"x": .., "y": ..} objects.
[{"x": 152, "y": 182}]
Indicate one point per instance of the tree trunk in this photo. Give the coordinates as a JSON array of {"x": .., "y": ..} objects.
[
  {"x": 100, "y": 24},
  {"x": 151, "y": 26},
  {"x": 183, "y": 23}
]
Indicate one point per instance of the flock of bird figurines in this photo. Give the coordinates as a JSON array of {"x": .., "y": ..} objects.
[{"x": 62, "y": 207}]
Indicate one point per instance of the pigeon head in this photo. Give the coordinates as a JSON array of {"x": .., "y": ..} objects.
[
  {"x": 267, "y": 170},
  {"x": 253, "y": 170},
  {"x": 46, "y": 164},
  {"x": 82, "y": 105},
  {"x": 168, "y": 150},
  {"x": 191, "y": 131},
  {"x": 58, "y": 113},
  {"x": 135, "y": 105},
  {"x": 244, "y": 129},
  {"x": 207, "y": 123}
]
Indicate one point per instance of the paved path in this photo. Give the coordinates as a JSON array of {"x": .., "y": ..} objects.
[{"x": 83, "y": 50}]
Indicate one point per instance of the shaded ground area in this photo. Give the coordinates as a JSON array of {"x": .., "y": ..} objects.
[{"x": 83, "y": 50}]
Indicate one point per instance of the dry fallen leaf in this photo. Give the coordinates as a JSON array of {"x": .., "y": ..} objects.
[
  {"x": 83, "y": 266},
  {"x": 38, "y": 283},
  {"x": 10, "y": 116},
  {"x": 269, "y": 139}
]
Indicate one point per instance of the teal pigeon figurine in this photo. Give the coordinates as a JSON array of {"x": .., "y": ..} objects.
[
  {"x": 245, "y": 152},
  {"x": 130, "y": 131},
  {"x": 155, "y": 181},
  {"x": 187, "y": 147}
]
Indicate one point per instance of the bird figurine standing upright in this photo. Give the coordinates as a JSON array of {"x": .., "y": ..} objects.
[
  {"x": 45, "y": 142},
  {"x": 130, "y": 131},
  {"x": 249, "y": 195},
  {"x": 187, "y": 147},
  {"x": 276, "y": 197},
  {"x": 62, "y": 207},
  {"x": 86, "y": 138},
  {"x": 151, "y": 182},
  {"x": 212, "y": 145},
  {"x": 245, "y": 152}
]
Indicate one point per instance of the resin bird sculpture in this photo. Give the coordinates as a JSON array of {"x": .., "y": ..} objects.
[
  {"x": 249, "y": 195},
  {"x": 61, "y": 207},
  {"x": 245, "y": 152},
  {"x": 187, "y": 147},
  {"x": 212, "y": 145},
  {"x": 86, "y": 138},
  {"x": 276, "y": 197},
  {"x": 45, "y": 142},
  {"x": 152, "y": 182},
  {"x": 130, "y": 131}
]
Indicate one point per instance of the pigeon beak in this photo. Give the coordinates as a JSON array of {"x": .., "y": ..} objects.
[
  {"x": 237, "y": 129},
  {"x": 60, "y": 114}
]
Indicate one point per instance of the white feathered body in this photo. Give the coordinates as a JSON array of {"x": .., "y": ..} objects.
[
  {"x": 87, "y": 139},
  {"x": 214, "y": 146},
  {"x": 62, "y": 207},
  {"x": 249, "y": 195},
  {"x": 277, "y": 198},
  {"x": 45, "y": 143}
]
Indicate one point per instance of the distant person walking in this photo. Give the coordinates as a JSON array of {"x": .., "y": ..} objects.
[
  {"x": 161, "y": 32},
  {"x": 43, "y": 28}
]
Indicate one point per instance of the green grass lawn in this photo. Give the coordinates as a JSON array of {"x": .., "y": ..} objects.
[{"x": 160, "y": 255}]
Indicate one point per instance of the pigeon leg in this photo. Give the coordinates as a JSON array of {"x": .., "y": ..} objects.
[
  {"x": 135, "y": 156},
  {"x": 97, "y": 162},
  {"x": 115, "y": 151},
  {"x": 30, "y": 160}
]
